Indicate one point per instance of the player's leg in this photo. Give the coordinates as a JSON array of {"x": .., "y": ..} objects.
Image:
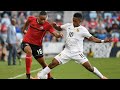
[
  {"x": 58, "y": 59},
  {"x": 81, "y": 58},
  {"x": 47, "y": 69},
  {"x": 14, "y": 54},
  {"x": 28, "y": 59},
  {"x": 44, "y": 64},
  {"x": 38, "y": 55},
  {"x": 89, "y": 67},
  {"x": 10, "y": 54}
]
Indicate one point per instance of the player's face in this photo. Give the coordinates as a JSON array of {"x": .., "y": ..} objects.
[
  {"x": 76, "y": 22},
  {"x": 42, "y": 19}
]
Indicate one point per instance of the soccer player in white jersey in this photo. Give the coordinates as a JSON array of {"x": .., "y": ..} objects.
[{"x": 74, "y": 46}]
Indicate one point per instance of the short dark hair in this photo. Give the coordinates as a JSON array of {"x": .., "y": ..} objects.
[
  {"x": 78, "y": 15},
  {"x": 43, "y": 13}
]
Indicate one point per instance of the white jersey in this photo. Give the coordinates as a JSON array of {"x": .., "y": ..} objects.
[{"x": 75, "y": 37}]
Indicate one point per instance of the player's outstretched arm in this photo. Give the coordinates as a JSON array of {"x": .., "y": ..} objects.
[
  {"x": 56, "y": 26},
  {"x": 96, "y": 40},
  {"x": 57, "y": 35}
]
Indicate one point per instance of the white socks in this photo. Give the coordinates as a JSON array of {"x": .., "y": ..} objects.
[
  {"x": 45, "y": 71},
  {"x": 96, "y": 72}
]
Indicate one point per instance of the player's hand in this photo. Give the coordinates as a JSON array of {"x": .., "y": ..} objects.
[
  {"x": 25, "y": 31},
  {"x": 108, "y": 40},
  {"x": 61, "y": 34},
  {"x": 54, "y": 24}
]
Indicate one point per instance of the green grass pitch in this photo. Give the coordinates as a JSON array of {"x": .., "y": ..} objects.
[{"x": 110, "y": 67}]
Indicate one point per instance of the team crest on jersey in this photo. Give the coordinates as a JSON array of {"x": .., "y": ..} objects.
[
  {"x": 41, "y": 27},
  {"x": 77, "y": 30}
]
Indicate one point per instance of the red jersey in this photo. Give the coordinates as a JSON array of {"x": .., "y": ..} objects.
[{"x": 36, "y": 31}]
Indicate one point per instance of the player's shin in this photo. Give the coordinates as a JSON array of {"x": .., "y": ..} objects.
[
  {"x": 28, "y": 62},
  {"x": 96, "y": 72}
]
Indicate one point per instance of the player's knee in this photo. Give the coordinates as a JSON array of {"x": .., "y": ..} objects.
[
  {"x": 29, "y": 52},
  {"x": 55, "y": 62}
]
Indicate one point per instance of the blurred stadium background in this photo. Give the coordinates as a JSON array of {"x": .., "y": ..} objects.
[{"x": 101, "y": 24}]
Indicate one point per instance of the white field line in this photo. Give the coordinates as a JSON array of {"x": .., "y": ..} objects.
[{"x": 20, "y": 75}]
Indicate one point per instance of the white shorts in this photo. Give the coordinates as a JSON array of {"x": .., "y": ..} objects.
[{"x": 66, "y": 56}]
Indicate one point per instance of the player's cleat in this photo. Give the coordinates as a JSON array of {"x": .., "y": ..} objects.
[
  {"x": 51, "y": 78},
  {"x": 28, "y": 76},
  {"x": 104, "y": 77}
]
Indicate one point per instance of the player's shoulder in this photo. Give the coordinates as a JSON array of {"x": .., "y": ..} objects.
[
  {"x": 47, "y": 23},
  {"x": 83, "y": 28},
  {"x": 68, "y": 24},
  {"x": 32, "y": 17}
]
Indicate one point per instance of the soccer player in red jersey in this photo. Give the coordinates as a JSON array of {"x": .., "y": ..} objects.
[{"x": 32, "y": 41}]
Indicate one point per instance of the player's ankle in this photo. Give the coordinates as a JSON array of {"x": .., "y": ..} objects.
[{"x": 28, "y": 76}]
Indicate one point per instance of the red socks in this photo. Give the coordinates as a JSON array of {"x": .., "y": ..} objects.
[{"x": 28, "y": 61}]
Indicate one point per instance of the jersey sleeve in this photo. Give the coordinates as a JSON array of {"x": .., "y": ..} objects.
[
  {"x": 30, "y": 18},
  {"x": 64, "y": 26},
  {"x": 51, "y": 29},
  {"x": 86, "y": 33}
]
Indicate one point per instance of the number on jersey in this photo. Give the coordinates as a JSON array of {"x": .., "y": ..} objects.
[
  {"x": 39, "y": 51},
  {"x": 71, "y": 34}
]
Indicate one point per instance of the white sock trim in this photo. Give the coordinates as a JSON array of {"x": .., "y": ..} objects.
[
  {"x": 45, "y": 71},
  {"x": 96, "y": 72}
]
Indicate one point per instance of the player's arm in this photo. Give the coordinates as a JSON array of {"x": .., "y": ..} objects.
[
  {"x": 57, "y": 27},
  {"x": 57, "y": 35},
  {"x": 96, "y": 40},
  {"x": 54, "y": 32},
  {"x": 25, "y": 26}
]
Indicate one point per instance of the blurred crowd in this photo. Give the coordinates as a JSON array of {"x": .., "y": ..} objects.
[{"x": 101, "y": 24}]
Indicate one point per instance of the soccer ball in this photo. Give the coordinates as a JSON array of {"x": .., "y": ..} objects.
[{"x": 38, "y": 76}]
